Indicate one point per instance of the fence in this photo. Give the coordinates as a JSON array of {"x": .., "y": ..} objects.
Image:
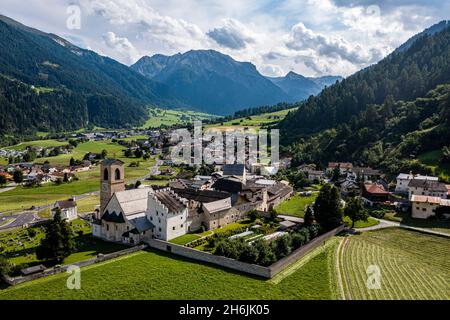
[
  {"x": 264, "y": 272},
  {"x": 85, "y": 263}
]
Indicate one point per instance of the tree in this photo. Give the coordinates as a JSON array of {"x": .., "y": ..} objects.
[
  {"x": 355, "y": 210},
  {"x": 266, "y": 256},
  {"x": 249, "y": 254},
  {"x": 327, "y": 208},
  {"x": 18, "y": 176},
  {"x": 336, "y": 174},
  {"x": 104, "y": 154},
  {"x": 2, "y": 180},
  {"x": 137, "y": 184},
  {"x": 58, "y": 242},
  {"x": 282, "y": 246},
  {"x": 5, "y": 267},
  {"x": 309, "y": 217}
]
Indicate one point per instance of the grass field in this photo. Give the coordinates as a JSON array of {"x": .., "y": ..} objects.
[
  {"x": 38, "y": 143},
  {"x": 88, "y": 204},
  {"x": 19, "y": 246},
  {"x": 23, "y": 198},
  {"x": 154, "y": 275},
  {"x": 412, "y": 265},
  {"x": 362, "y": 224},
  {"x": 161, "y": 117},
  {"x": 254, "y": 121},
  {"x": 432, "y": 160},
  {"x": 296, "y": 205}
]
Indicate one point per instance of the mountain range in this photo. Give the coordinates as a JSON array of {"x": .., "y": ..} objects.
[{"x": 215, "y": 83}]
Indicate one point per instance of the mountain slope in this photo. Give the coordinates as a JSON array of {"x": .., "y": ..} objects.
[
  {"x": 211, "y": 82},
  {"x": 401, "y": 76},
  {"x": 45, "y": 60},
  {"x": 299, "y": 87},
  {"x": 387, "y": 116}
]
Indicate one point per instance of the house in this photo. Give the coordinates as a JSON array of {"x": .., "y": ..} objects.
[
  {"x": 367, "y": 173},
  {"x": 404, "y": 179},
  {"x": 375, "y": 193},
  {"x": 168, "y": 213},
  {"x": 343, "y": 166},
  {"x": 68, "y": 209},
  {"x": 424, "y": 207},
  {"x": 235, "y": 170},
  {"x": 314, "y": 175},
  {"x": 427, "y": 188}
]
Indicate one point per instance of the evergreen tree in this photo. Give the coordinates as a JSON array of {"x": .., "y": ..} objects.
[
  {"x": 58, "y": 243},
  {"x": 309, "y": 217},
  {"x": 2, "y": 180},
  {"x": 328, "y": 208},
  {"x": 18, "y": 176}
]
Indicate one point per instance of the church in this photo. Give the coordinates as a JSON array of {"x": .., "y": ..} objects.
[{"x": 134, "y": 216}]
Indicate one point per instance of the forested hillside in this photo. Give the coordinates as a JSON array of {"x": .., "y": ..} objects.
[
  {"x": 402, "y": 76},
  {"x": 104, "y": 91}
]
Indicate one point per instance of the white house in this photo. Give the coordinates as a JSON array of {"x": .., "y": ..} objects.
[
  {"x": 404, "y": 179},
  {"x": 427, "y": 188},
  {"x": 68, "y": 208},
  {"x": 168, "y": 213},
  {"x": 424, "y": 207}
]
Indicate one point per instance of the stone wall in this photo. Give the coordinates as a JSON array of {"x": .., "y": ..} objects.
[
  {"x": 52, "y": 271},
  {"x": 280, "y": 265},
  {"x": 210, "y": 258},
  {"x": 264, "y": 272}
]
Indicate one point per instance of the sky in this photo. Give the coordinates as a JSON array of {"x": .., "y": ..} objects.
[{"x": 310, "y": 37}]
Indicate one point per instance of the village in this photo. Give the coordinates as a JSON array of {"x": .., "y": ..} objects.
[{"x": 256, "y": 218}]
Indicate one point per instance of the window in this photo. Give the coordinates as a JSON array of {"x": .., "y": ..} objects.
[
  {"x": 424, "y": 209},
  {"x": 151, "y": 218},
  {"x": 181, "y": 226},
  {"x": 159, "y": 229},
  {"x": 105, "y": 175},
  {"x": 107, "y": 227},
  {"x": 173, "y": 228},
  {"x": 118, "y": 174}
]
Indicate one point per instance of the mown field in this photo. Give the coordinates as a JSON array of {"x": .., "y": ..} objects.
[
  {"x": 155, "y": 276},
  {"x": 413, "y": 266},
  {"x": 296, "y": 205},
  {"x": 162, "y": 117}
]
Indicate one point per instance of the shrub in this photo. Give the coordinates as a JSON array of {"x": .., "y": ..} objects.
[
  {"x": 249, "y": 254},
  {"x": 282, "y": 246},
  {"x": 313, "y": 230},
  {"x": 266, "y": 256}
]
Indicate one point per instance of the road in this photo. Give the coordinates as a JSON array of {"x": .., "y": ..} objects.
[{"x": 20, "y": 220}]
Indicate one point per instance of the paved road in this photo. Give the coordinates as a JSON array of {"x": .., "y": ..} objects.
[{"x": 19, "y": 220}]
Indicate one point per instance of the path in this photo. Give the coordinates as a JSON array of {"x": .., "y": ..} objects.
[{"x": 391, "y": 224}]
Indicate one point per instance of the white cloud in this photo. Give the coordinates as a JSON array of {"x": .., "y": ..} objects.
[
  {"x": 233, "y": 35},
  {"x": 121, "y": 46},
  {"x": 310, "y": 37}
]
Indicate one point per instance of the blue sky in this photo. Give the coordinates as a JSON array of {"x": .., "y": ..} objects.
[{"x": 311, "y": 37}]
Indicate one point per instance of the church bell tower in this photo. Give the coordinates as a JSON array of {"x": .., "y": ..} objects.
[{"x": 112, "y": 180}]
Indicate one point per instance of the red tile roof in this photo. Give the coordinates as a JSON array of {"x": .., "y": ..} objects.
[{"x": 375, "y": 189}]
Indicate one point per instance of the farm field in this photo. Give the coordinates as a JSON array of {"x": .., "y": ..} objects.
[
  {"x": 296, "y": 205},
  {"x": 153, "y": 275},
  {"x": 412, "y": 265},
  {"x": 160, "y": 117}
]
